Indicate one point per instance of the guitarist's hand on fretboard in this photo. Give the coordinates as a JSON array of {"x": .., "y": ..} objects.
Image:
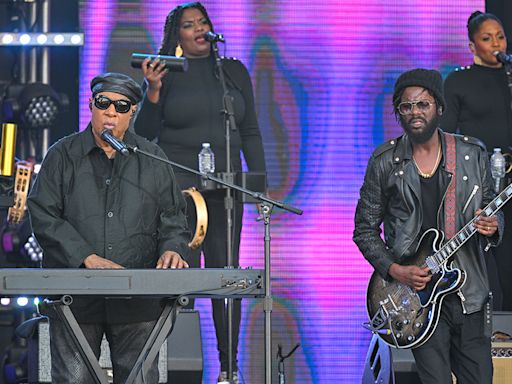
[
  {"x": 486, "y": 225},
  {"x": 411, "y": 275}
]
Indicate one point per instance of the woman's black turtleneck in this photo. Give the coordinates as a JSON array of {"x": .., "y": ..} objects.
[
  {"x": 479, "y": 105},
  {"x": 189, "y": 113}
]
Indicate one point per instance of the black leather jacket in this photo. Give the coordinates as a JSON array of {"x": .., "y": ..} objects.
[{"x": 391, "y": 195}]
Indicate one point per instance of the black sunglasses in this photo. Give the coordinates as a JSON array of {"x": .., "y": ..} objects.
[{"x": 103, "y": 102}]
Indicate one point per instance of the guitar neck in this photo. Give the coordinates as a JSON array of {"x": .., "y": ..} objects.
[{"x": 460, "y": 238}]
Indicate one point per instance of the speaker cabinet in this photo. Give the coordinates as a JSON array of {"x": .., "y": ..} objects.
[{"x": 184, "y": 350}]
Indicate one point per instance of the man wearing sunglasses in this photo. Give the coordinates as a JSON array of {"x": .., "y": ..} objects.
[
  {"x": 430, "y": 179},
  {"x": 91, "y": 207}
]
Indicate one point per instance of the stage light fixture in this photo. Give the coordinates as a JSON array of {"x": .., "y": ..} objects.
[
  {"x": 41, "y": 39},
  {"x": 7, "y": 39},
  {"x": 5, "y": 301},
  {"x": 76, "y": 39},
  {"x": 58, "y": 39},
  {"x": 33, "y": 250},
  {"x": 34, "y": 105},
  {"x": 22, "y": 301},
  {"x": 40, "y": 105},
  {"x": 25, "y": 39},
  {"x": 19, "y": 245}
]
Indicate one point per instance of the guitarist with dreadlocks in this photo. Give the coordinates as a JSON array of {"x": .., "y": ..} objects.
[{"x": 432, "y": 191}]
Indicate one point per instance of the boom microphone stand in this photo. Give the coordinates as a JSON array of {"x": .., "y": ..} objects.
[{"x": 268, "y": 205}]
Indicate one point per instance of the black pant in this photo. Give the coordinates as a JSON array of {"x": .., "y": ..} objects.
[
  {"x": 461, "y": 343},
  {"x": 125, "y": 342},
  {"x": 214, "y": 249}
]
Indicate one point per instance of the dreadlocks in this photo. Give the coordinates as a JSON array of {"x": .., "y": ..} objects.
[{"x": 172, "y": 26}]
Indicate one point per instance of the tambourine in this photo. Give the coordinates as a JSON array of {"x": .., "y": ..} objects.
[
  {"x": 21, "y": 188},
  {"x": 201, "y": 217},
  {"x": 508, "y": 158}
]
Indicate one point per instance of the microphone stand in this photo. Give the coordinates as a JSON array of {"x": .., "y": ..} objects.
[
  {"x": 228, "y": 112},
  {"x": 268, "y": 205}
]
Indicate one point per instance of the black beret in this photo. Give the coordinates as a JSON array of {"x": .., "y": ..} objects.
[
  {"x": 425, "y": 78},
  {"x": 117, "y": 83}
]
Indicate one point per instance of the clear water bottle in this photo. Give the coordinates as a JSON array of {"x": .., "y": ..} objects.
[
  {"x": 498, "y": 167},
  {"x": 206, "y": 159}
]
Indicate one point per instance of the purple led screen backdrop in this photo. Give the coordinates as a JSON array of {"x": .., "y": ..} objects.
[{"x": 323, "y": 74}]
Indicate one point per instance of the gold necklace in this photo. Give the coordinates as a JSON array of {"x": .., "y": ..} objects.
[{"x": 433, "y": 171}]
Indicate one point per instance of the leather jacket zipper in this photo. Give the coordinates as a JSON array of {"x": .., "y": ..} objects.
[
  {"x": 473, "y": 193},
  {"x": 462, "y": 300}
]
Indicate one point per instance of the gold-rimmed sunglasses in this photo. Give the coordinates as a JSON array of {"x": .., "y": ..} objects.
[{"x": 406, "y": 107}]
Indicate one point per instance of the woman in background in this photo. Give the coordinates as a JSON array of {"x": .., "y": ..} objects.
[
  {"x": 479, "y": 105},
  {"x": 183, "y": 110}
]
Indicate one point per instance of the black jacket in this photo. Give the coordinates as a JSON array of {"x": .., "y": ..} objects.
[
  {"x": 129, "y": 210},
  {"x": 391, "y": 195}
]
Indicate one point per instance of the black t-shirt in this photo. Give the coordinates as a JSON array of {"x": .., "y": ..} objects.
[{"x": 430, "y": 200}]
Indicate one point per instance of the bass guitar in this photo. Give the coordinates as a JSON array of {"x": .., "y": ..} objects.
[{"x": 406, "y": 318}]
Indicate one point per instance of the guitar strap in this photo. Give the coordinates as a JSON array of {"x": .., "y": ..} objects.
[{"x": 449, "y": 204}]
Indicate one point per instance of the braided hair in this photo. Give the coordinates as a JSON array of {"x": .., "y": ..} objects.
[
  {"x": 475, "y": 21},
  {"x": 172, "y": 26},
  {"x": 171, "y": 35}
]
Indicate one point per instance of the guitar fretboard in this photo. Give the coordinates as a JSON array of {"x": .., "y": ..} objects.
[{"x": 451, "y": 246}]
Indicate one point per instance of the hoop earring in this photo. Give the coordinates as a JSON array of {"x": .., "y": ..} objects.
[
  {"x": 440, "y": 111},
  {"x": 179, "y": 51}
]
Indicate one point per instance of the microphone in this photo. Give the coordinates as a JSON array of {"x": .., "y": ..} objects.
[
  {"x": 172, "y": 63},
  {"x": 213, "y": 37},
  {"x": 503, "y": 57},
  {"x": 114, "y": 142}
]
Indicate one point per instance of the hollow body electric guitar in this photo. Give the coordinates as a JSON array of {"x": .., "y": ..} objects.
[{"x": 406, "y": 318}]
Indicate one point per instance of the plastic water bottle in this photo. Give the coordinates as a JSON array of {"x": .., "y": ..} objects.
[
  {"x": 498, "y": 167},
  {"x": 206, "y": 159}
]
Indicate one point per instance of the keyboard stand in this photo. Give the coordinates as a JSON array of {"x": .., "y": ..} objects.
[{"x": 161, "y": 330}]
